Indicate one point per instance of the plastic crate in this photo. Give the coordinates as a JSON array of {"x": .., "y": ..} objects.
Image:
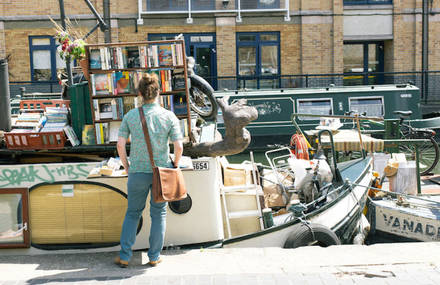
[
  {"x": 31, "y": 141},
  {"x": 42, "y": 104}
]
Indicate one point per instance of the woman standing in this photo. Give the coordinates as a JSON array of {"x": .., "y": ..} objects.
[{"x": 163, "y": 127}]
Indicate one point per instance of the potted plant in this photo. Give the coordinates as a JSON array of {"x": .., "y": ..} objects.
[{"x": 71, "y": 45}]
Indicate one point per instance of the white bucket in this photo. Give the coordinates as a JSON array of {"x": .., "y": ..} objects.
[{"x": 405, "y": 181}]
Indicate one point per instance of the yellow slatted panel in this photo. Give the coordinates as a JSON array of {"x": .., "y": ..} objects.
[{"x": 93, "y": 215}]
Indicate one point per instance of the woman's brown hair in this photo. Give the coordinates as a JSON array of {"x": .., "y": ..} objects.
[{"x": 148, "y": 86}]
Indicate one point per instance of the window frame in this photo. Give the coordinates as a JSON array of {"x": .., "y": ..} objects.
[
  {"x": 170, "y": 6},
  {"x": 367, "y": 98},
  {"x": 52, "y": 48},
  {"x": 365, "y": 62},
  {"x": 258, "y": 44},
  {"x": 25, "y": 216},
  {"x": 305, "y": 118},
  {"x": 368, "y": 2}
]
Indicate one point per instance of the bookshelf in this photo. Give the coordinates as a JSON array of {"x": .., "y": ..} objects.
[{"x": 115, "y": 70}]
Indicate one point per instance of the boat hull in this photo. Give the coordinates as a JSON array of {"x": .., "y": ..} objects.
[
  {"x": 421, "y": 223},
  {"x": 341, "y": 215}
]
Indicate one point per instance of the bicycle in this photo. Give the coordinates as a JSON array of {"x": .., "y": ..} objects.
[{"x": 429, "y": 153}]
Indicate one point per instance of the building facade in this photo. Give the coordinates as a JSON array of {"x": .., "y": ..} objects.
[{"x": 242, "y": 43}]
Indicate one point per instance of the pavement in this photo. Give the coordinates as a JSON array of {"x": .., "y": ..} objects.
[{"x": 391, "y": 263}]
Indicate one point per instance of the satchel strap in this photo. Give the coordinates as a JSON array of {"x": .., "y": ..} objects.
[{"x": 147, "y": 136}]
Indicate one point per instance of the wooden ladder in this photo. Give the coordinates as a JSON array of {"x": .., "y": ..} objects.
[{"x": 224, "y": 190}]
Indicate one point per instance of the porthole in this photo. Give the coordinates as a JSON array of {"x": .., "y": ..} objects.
[{"x": 182, "y": 206}]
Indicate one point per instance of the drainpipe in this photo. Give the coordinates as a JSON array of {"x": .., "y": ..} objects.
[
  {"x": 107, "y": 32},
  {"x": 425, "y": 49},
  {"x": 63, "y": 24},
  {"x": 5, "y": 107}
]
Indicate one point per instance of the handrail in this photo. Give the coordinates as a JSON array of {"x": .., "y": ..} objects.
[
  {"x": 338, "y": 176},
  {"x": 338, "y": 117}
]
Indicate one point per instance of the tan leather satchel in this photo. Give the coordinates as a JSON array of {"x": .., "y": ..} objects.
[{"x": 168, "y": 183}]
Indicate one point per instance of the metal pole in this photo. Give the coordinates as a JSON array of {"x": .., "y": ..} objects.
[
  {"x": 107, "y": 32},
  {"x": 63, "y": 24},
  {"x": 5, "y": 105},
  {"x": 425, "y": 48}
]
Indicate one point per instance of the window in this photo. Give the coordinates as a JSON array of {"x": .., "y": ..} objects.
[
  {"x": 167, "y": 5},
  {"x": 258, "y": 4},
  {"x": 363, "y": 63},
  {"x": 200, "y": 5},
  {"x": 372, "y": 106},
  {"x": 44, "y": 58},
  {"x": 203, "y": 48},
  {"x": 315, "y": 107},
  {"x": 14, "y": 218},
  {"x": 258, "y": 60},
  {"x": 367, "y": 2}
]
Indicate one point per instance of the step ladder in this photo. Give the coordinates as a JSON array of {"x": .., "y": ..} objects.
[{"x": 224, "y": 190}]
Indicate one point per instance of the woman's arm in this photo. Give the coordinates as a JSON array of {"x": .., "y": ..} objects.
[
  {"x": 122, "y": 152},
  {"x": 178, "y": 150}
]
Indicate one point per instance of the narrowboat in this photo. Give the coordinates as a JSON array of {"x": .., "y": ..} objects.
[{"x": 276, "y": 106}]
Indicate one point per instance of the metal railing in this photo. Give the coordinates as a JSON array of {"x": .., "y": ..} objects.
[
  {"x": 286, "y": 81},
  {"x": 190, "y": 7}
]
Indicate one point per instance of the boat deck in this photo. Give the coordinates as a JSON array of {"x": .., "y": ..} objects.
[{"x": 430, "y": 185}]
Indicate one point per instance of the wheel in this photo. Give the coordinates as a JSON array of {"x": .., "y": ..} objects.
[
  {"x": 202, "y": 99},
  {"x": 428, "y": 155},
  {"x": 302, "y": 235}
]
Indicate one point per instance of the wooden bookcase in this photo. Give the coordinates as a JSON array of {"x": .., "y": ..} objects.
[{"x": 114, "y": 72}]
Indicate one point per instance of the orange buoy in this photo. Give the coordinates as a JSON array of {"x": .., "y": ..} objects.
[{"x": 299, "y": 147}]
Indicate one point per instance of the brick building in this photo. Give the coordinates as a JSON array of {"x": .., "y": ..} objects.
[{"x": 242, "y": 43}]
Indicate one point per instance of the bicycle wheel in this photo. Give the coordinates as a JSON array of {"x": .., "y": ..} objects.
[{"x": 428, "y": 155}]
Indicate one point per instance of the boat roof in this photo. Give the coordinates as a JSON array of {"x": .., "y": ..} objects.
[{"x": 315, "y": 90}]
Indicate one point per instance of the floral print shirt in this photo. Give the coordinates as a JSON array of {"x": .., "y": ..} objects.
[{"x": 163, "y": 126}]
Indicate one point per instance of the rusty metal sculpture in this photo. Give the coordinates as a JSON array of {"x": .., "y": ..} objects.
[{"x": 236, "y": 117}]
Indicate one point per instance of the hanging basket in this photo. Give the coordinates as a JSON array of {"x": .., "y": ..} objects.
[{"x": 84, "y": 66}]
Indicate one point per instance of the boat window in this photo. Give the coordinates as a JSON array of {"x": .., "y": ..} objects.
[
  {"x": 182, "y": 206},
  {"x": 14, "y": 218},
  {"x": 372, "y": 106},
  {"x": 315, "y": 107}
]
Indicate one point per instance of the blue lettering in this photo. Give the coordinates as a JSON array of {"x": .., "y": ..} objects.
[
  {"x": 430, "y": 230},
  {"x": 419, "y": 228},
  {"x": 408, "y": 225},
  {"x": 396, "y": 223},
  {"x": 387, "y": 220}
]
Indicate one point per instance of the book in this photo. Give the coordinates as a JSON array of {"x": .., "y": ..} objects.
[
  {"x": 122, "y": 79},
  {"x": 100, "y": 84},
  {"x": 165, "y": 54},
  {"x": 95, "y": 59},
  {"x": 105, "y": 110},
  {"x": 179, "y": 104},
  {"x": 68, "y": 130},
  {"x": 132, "y": 57},
  {"x": 113, "y": 131}
]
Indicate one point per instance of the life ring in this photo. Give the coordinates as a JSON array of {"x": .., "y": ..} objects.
[
  {"x": 311, "y": 234},
  {"x": 299, "y": 147}
]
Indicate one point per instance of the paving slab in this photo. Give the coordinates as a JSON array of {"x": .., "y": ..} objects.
[{"x": 391, "y": 263}]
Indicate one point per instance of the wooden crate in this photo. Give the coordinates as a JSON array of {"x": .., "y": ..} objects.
[
  {"x": 42, "y": 104},
  {"x": 32, "y": 140}
]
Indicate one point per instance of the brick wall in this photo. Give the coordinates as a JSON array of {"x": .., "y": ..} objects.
[{"x": 309, "y": 44}]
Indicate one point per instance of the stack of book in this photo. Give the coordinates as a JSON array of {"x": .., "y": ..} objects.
[{"x": 56, "y": 119}]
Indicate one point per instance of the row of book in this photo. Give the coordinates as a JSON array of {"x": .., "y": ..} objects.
[
  {"x": 113, "y": 108},
  {"x": 144, "y": 56},
  {"x": 116, "y": 108},
  {"x": 126, "y": 82},
  {"x": 107, "y": 132}
]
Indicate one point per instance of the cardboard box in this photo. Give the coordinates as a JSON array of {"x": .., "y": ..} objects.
[{"x": 237, "y": 174}]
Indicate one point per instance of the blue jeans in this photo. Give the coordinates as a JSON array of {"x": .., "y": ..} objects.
[{"x": 138, "y": 187}]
